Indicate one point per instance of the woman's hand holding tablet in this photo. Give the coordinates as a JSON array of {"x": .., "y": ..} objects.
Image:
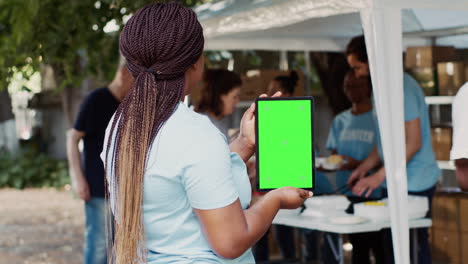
[{"x": 284, "y": 139}]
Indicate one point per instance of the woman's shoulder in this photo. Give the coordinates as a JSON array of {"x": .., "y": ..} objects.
[
  {"x": 185, "y": 138},
  {"x": 193, "y": 128},
  {"x": 193, "y": 122}
]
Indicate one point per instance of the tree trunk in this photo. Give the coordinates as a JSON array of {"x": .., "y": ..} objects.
[
  {"x": 58, "y": 111},
  {"x": 6, "y": 112},
  {"x": 8, "y": 137},
  {"x": 71, "y": 100},
  {"x": 71, "y": 97}
]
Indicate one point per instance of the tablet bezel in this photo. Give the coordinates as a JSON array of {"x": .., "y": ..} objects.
[{"x": 257, "y": 117}]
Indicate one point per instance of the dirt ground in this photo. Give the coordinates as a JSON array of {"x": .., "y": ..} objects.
[
  {"x": 40, "y": 226},
  {"x": 45, "y": 226}
]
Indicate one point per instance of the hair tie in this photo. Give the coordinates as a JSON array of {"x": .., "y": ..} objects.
[{"x": 155, "y": 73}]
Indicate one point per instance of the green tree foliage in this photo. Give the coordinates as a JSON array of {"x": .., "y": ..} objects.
[
  {"x": 31, "y": 169},
  {"x": 67, "y": 34}
]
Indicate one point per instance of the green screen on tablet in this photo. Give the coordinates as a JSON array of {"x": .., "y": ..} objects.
[{"x": 284, "y": 143}]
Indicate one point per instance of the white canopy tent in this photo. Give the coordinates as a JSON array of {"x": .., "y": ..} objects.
[
  {"x": 327, "y": 25},
  {"x": 321, "y": 25}
]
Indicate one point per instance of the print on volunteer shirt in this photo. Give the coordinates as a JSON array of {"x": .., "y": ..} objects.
[{"x": 361, "y": 135}]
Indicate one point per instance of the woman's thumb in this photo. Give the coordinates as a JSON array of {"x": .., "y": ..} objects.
[
  {"x": 306, "y": 194},
  {"x": 249, "y": 114}
]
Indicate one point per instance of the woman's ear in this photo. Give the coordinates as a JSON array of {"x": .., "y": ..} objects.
[
  {"x": 194, "y": 75},
  {"x": 197, "y": 68},
  {"x": 200, "y": 64}
]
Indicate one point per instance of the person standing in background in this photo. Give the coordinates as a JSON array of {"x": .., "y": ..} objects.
[
  {"x": 88, "y": 181},
  {"x": 421, "y": 166},
  {"x": 220, "y": 95},
  {"x": 353, "y": 137},
  {"x": 459, "y": 152},
  {"x": 284, "y": 84}
]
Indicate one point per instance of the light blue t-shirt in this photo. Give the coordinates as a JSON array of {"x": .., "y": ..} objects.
[
  {"x": 422, "y": 170},
  {"x": 353, "y": 136},
  {"x": 189, "y": 166}
]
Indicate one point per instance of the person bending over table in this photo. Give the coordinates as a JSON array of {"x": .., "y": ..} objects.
[{"x": 421, "y": 167}]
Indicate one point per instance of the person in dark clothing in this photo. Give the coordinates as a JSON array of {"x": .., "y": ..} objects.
[{"x": 87, "y": 177}]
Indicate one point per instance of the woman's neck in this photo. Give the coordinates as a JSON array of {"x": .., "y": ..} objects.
[
  {"x": 117, "y": 90},
  {"x": 361, "y": 108},
  {"x": 217, "y": 117}
]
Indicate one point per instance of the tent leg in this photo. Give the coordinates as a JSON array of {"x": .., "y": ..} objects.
[
  {"x": 382, "y": 28},
  {"x": 284, "y": 65},
  {"x": 308, "y": 68}
]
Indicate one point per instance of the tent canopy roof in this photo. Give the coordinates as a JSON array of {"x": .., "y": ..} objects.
[{"x": 320, "y": 24}]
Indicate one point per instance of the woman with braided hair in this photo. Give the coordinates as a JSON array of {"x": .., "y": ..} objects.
[{"x": 178, "y": 191}]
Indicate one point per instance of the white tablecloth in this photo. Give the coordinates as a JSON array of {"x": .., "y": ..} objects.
[{"x": 292, "y": 218}]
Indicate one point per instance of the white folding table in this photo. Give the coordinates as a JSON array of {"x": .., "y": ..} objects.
[{"x": 294, "y": 219}]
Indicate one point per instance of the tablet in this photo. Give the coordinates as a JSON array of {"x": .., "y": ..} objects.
[{"x": 284, "y": 136}]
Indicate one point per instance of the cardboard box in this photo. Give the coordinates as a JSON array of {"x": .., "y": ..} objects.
[
  {"x": 446, "y": 246},
  {"x": 449, "y": 235},
  {"x": 428, "y": 56},
  {"x": 252, "y": 87},
  {"x": 442, "y": 142},
  {"x": 466, "y": 71},
  {"x": 255, "y": 82},
  {"x": 463, "y": 207},
  {"x": 445, "y": 212},
  {"x": 426, "y": 77},
  {"x": 451, "y": 76},
  {"x": 464, "y": 248}
]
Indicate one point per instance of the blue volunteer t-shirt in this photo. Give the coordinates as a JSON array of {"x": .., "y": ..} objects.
[
  {"x": 422, "y": 170},
  {"x": 354, "y": 136}
]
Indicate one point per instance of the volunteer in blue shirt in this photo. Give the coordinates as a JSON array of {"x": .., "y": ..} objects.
[
  {"x": 353, "y": 135},
  {"x": 353, "y": 132},
  {"x": 422, "y": 170}
]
